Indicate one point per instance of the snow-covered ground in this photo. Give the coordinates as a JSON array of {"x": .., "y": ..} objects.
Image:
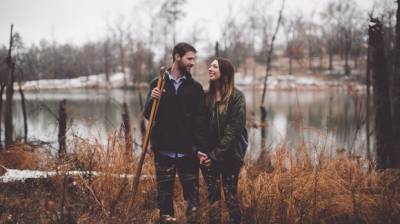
[
  {"x": 298, "y": 82},
  {"x": 116, "y": 80},
  {"x": 276, "y": 82}
]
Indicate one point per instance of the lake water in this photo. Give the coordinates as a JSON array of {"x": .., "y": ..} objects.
[{"x": 324, "y": 120}]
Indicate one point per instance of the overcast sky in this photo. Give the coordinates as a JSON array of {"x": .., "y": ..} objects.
[{"x": 77, "y": 21}]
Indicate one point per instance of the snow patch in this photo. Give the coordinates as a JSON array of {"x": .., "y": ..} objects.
[
  {"x": 93, "y": 81},
  {"x": 12, "y": 175}
]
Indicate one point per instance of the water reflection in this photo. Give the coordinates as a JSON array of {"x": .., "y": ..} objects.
[{"x": 328, "y": 120}]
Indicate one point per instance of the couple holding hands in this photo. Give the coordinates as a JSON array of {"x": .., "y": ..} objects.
[{"x": 196, "y": 130}]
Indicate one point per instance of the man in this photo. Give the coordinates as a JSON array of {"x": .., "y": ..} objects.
[{"x": 178, "y": 132}]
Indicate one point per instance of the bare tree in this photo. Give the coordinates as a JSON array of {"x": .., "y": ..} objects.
[
  {"x": 121, "y": 32},
  {"x": 294, "y": 29},
  {"x": 388, "y": 16},
  {"x": 3, "y": 82},
  {"x": 342, "y": 19},
  {"x": 139, "y": 57},
  {"x": 8, "y": 119},
  {"x": 270, "y": 52},
  {"x": 311, "y": 30},
  {"x": 395, "y": 96},
  {"x": 107, "y": 59},
  {"x": 91, "y": 55},
  {"x": 172, "y": 12},
  {"x": 62, "y": 123},
  {"x": 250, "y": 30},
  {"x": 19, "y": 74},
  {"x": 267, "y": 73},
  {"x": 169, "y": 15},
  {"x": 216, "y": 49},
  {"x": 265, "y": 30},
  {"x": 23, "y": 103},
  {"x": 380, "y": 76},
  {"x": 368, "y": 102},
  {"x": 29, "y": 62},
  {"x": 149, "y": 22},
  {"x": 126, "y": 124},
  {"x": 235, "y": 41}
]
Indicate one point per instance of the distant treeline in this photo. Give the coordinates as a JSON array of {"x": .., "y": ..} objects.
[
  {"x": 59, "y": 61},
  {"x": 339, "y": 30}
]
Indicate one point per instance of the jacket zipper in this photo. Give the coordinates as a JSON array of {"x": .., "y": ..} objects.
[{"x": 217, "y": 115}]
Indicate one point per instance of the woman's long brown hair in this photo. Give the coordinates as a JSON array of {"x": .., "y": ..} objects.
[{"x": 227, "y": 84}]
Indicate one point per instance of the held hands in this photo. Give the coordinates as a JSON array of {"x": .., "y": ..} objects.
[
  {"x": 204, "y": 160},
  {"x": 156, "y": 93}
]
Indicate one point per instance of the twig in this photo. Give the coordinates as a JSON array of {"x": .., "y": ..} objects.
[
  {"x": 271, "y": 51},
  {"x": 94, "y": 196}
]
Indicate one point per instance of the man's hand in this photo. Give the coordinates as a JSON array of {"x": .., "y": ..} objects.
[{"x": 156, "y": 93}]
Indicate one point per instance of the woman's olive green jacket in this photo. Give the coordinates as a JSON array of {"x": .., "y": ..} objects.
[{"x": 225, "y": 130}]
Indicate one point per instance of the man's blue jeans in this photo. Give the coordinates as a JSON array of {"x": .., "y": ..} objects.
[{"x": 187, "y": 169}]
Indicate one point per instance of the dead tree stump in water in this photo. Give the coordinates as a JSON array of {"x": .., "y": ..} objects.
[
  {"x": 62, "y": 123},
  {"x": 127, "y": 129},
  {"x": 263, "y": 126}
]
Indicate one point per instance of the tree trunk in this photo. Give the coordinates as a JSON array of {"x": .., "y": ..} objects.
[
  {"x": 349, "y": 45},
  {"x": 8, "y": 123},
  {"x": 216, "y": 49},
  {"x": 263, "y": 110},
  {"x": 62, "y": 123},
  {"x": 346, "y": 63},
  {"x": 290, "y": 65},
  {"x": 23, "y": 104},
  {"x": 367, "y": 119},
  {"x": 263, "y": 128},
  {"x": 396, "y": 92},
  {"x": 127, "y": 130},
  {"x": 383, "y": 125},
  {"x": 321, "y": 61},
  {"x": 122, "y": 61},
  {"x": 2, "y": 87},
  {"x": 355, "y": 59},
  {"x": 330, "y": 60},
  {"x": 142, "y": 119},
  {"x": 107, "y": 60},
  {"x": 270, "y": 54}
]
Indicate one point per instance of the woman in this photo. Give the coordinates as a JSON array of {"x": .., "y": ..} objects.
[{"x": 226, "y": 109}]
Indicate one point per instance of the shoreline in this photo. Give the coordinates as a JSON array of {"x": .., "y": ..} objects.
[{"x": 275, "y": 83}]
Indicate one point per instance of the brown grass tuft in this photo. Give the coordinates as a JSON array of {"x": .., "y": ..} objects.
[{"x": 19, "y": 157}]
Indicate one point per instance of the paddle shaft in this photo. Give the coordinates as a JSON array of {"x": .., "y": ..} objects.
[{"x": 153, "y": 114}]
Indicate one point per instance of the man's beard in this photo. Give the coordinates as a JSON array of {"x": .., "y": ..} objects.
[{"x": 183, "y": 68}]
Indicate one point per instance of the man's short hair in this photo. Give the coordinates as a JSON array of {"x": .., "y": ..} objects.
[{"x": 182, "y": 48}]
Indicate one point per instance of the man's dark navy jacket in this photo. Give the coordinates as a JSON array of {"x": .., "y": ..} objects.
[{"x": 180, "y": 124}]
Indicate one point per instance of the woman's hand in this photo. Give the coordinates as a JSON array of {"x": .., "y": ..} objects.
[
  {"x": 201, "y": 156},
  {"x": 204, "y": 160},
  {"x": 207, "y": 162}
]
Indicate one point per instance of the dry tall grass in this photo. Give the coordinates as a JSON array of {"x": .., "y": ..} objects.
[
  {"x": 285, "y": 189},
  {"x": 340, "y": 190}
]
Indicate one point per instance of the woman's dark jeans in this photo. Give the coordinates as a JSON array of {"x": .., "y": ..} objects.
[{"x": 229, "y": 175}]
